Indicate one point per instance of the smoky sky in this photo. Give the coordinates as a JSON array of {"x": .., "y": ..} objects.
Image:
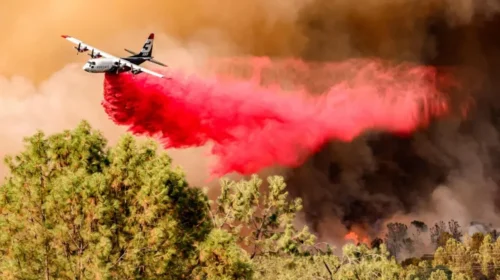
[
  {"x": 314, "y": 29},
  {"x": 445, "y": 171}
]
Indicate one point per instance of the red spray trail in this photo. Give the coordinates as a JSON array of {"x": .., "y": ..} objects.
[{"x": 253, "y": 127}]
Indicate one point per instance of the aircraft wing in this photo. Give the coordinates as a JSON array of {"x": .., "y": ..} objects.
[
  {"x": 83, "y": 46},
  {"x": 135, "y": 67},
  {"x": 98, "y": 53}
]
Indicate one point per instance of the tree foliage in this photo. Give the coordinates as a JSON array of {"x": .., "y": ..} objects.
[
  {"x": 74, "y": 208},
  {"x": 398, "y": 239},
  {"x": 268, "y": 219}
]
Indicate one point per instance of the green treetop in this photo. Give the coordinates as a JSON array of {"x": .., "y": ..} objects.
[{"x": 74, "y": 209}]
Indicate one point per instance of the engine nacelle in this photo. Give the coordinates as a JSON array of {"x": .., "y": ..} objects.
[
  {"x": 136, "y": 71},
  {"x": 81, "y": 49},
  {"x": 94, "y": 54}
]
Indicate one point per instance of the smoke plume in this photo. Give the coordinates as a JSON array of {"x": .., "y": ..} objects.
[{"x": 449, "y": 170}]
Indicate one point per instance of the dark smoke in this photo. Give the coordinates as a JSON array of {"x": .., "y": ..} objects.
[{"x": 448, "y": 171}]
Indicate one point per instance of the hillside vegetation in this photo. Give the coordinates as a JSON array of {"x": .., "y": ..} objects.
[{"x": 74, "y": 208}]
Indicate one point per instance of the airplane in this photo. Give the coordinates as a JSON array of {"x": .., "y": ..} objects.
[{"x": 102, "y": 62}]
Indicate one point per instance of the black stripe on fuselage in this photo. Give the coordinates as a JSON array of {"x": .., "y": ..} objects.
[{"x": 135, "y": 60}]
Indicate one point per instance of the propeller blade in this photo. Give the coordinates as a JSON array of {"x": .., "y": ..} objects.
[{"x": 118, "y": 66}]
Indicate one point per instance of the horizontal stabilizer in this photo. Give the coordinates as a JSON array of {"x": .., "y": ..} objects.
[
  {"x": 131, "y": 52},
  {"x": 157, "y": 62}
]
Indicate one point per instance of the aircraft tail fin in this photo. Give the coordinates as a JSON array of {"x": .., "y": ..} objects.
[
  {"x": 146, "y": 53},
  {"x": 147, "y": 48}
]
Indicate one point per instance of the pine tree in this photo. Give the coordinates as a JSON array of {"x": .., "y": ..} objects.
[
  {"x": 72, "y": 208},
  {"x": 263, "y": 222}
]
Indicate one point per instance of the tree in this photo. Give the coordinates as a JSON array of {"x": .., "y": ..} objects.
[
  {"x": 74, "y": 209},
  {"x": 495, "y": 252},
  {"x": 455, "y": 231},
  {"x": 317, "y": 266},
  {"x": 356, "y": 262},
  {"x": 495, "y": 234},
  {"x": 411, "y": 261},
  {"x": 419, "y": 225},
  {"x": 476, "y": 240},
  {"x": 397, "y": 239},
  {"x": 376, "y": 242},
  {"x": 486, "y": 256},
  {"x": 222, "y": 258},
  {"x": 455, "y": 256},
  {"x": 360, "y": 262},
  {"x": 436, "y": 232},
  {"x": 417, "y": 229},
  {"x": 438, "y": 275},
  {"x": 443, "y": 239},
  {"x": 460, "y": 276},
  {"x": 268, "y": 219}
]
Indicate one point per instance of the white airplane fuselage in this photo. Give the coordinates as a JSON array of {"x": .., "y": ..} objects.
[{"x": 100, "y": 65}]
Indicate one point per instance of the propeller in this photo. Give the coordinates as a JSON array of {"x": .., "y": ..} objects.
[
  {"x": 91, "y": 54},
  {"x": 118, "y": 65},
  {"x": 79, "y": 48}
]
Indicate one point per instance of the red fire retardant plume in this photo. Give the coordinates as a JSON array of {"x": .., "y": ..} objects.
[{"x": 252, "y": 127}]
